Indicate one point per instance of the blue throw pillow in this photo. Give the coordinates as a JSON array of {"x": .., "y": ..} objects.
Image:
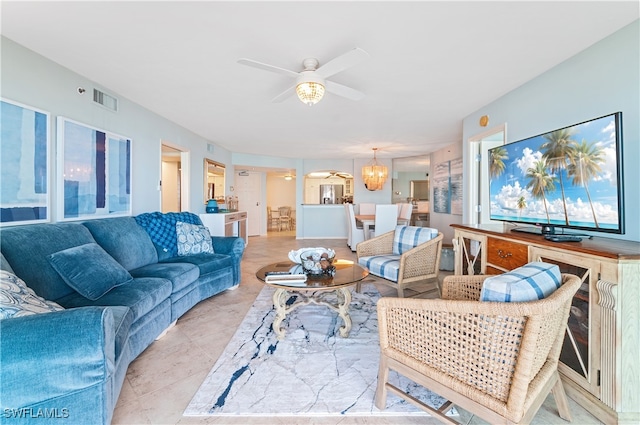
[
  {"x": 531, "y": 282},
  {"x": 89, "y": 269},
  {"x": 193, "y": 239}
]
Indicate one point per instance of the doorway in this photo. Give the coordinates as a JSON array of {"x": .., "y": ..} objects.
[{"x": 174, "y": 185}]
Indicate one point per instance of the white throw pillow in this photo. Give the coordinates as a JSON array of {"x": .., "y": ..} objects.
[{"x": 17, "y": 299}]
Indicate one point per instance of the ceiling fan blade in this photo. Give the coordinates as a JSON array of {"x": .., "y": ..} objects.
[
  {"x": 344, "y": 91},
  {"x": 266, "y": 67},
  {"x": 342, "y": 62},
  {"x": 284, "y": 95}
]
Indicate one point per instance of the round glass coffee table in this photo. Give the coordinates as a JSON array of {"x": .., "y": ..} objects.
[{"x": 314, "y": 290}]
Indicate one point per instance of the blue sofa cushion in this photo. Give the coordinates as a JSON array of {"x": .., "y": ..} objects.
[
  {"x": 406, "y": 238},
  {"x": 141, "y": 295},
  {"x": 4, "y": 264},
  {"x": 207, "y": 263},
  {"x": 122, "y": 320},
  {"x": 386, "y": 266},
  {"x": 193, "y": 239},
  {"x": 181, "y": 275},
  {"x": 17, "y": 299},
  {"x": 124, "y": 240},
  {"x": 531, "y": 282},
  {"x": 89, "y": 270},
  {"x": 26, "y": 249}
]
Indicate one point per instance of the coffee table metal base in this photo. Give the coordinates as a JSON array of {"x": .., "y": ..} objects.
[{"x": 281, "y": 296}]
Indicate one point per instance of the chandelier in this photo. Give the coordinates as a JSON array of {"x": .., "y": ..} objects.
[
  {"x": 374, "y": 174},
  {"x": 310, "y": 92}
]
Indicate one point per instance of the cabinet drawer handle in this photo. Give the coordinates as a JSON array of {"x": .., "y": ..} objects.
[{"x": 503, "y": 254}]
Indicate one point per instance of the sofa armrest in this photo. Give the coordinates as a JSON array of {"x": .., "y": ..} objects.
[
  {"x": 52, "y": 355},
  {"x": 234, "y": 247}
]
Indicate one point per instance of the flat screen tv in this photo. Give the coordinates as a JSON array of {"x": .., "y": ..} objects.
[{"x": 567, "y": 178}]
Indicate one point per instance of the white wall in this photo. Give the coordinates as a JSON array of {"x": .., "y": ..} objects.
[
  {"x": 598, "y": 81},
  {"x": 281, "y": 192},
  {"x": 33, "y": 80}
]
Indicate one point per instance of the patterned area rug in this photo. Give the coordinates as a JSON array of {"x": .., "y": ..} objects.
[{"x": 312, "y": 372}]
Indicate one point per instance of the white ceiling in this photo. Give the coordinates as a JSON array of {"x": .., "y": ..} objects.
[{"x": 431, "y": 63}]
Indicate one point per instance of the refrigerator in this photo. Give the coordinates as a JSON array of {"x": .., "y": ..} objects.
[{"x": 331, "y": 193}]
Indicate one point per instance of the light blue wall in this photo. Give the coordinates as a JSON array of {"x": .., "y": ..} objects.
[
  {"x": 31, "y": 79},
  {"x": 598, "y": 81}
]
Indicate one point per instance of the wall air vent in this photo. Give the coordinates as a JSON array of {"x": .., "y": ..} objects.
[
  {"x": 105, "y": 100},
  {"x": 243, "y": 173}
]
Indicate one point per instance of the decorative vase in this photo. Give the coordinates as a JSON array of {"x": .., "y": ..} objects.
[{"x": 212, "y": 206}]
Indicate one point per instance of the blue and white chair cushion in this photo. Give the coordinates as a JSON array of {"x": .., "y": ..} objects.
[
  {"x": 533, "y": 281},
  {"x": 386, "y": 266},
  {"x": 408, "y": 237}
]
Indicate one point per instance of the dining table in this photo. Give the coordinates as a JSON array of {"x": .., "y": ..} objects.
[{"x": 366, "y": 220}]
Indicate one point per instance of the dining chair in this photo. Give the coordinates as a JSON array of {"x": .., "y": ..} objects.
[
  {"x": 348, "y": 220},
  {"x": 273, "y": 219},
  {"x": 356, "y": 234},
  {"x": 386, "y": 219},
  {"x": 404, "y": 215},
  {"x": 367, "y": 208},
  {"x": 285, "y": 217}
]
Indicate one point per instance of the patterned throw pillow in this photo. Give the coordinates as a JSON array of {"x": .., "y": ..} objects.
[
  {"x": 531, "y": 282},
  {"x": 193, "y": 239},
  {"x": 17, "y": 299}
]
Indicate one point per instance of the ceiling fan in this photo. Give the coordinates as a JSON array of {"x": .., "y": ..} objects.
[
  {"x": 312, "y": 80},
  {"x": 338, "y": 174}
]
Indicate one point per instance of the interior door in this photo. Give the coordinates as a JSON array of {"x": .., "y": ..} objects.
[
  {"x": 248, "y": 189},
  {"x": 174, "y": 184}
]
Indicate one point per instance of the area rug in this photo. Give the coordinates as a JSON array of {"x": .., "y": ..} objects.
[{"x": 313, "y": 371}]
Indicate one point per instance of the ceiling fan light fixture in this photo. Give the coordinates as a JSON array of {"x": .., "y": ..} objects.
[
  {"x": 310, "y": 92},
  {"x": 374, "y": 174}
]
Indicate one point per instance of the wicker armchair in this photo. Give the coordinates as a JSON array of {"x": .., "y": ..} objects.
[
  {"x": 496, "y": 360},
  {"x": 416, "y": 265}
]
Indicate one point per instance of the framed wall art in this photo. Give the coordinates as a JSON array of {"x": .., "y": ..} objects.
[
  {"x": 94, "y": 172},
  {"x": 24, "y": 172},
  {"x": 447, "y": 187}
]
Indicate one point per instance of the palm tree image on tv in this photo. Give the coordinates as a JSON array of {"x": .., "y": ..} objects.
[
  {"x": 540, "y": 181},
  {"x": 567, "y": 177},
  {"x": 557, "y": 151}
]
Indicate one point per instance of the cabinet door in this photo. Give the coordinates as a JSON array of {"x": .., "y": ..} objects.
[
  {"x": 504, "y": 255},
  {"x": 580, "y": 356},
  {"x": 470, "y": 253}
]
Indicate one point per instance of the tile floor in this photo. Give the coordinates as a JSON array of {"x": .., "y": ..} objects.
[{"x": 163, "y": 379}]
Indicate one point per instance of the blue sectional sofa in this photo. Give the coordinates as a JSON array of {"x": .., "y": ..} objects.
[{"x": 118, "y": 292}]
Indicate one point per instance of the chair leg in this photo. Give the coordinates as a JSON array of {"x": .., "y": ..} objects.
[
  {"x": 381, "y": 389},
  {"x": 400, "y": 292},
  {"x": 561, "y": 400}
]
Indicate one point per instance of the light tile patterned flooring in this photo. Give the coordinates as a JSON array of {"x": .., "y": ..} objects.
[{"x": 163, "y": 379}]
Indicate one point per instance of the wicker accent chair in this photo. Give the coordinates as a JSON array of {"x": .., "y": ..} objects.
[
  {"x": 420, "y": 263},
  {"x": 497, "y": 360}
]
